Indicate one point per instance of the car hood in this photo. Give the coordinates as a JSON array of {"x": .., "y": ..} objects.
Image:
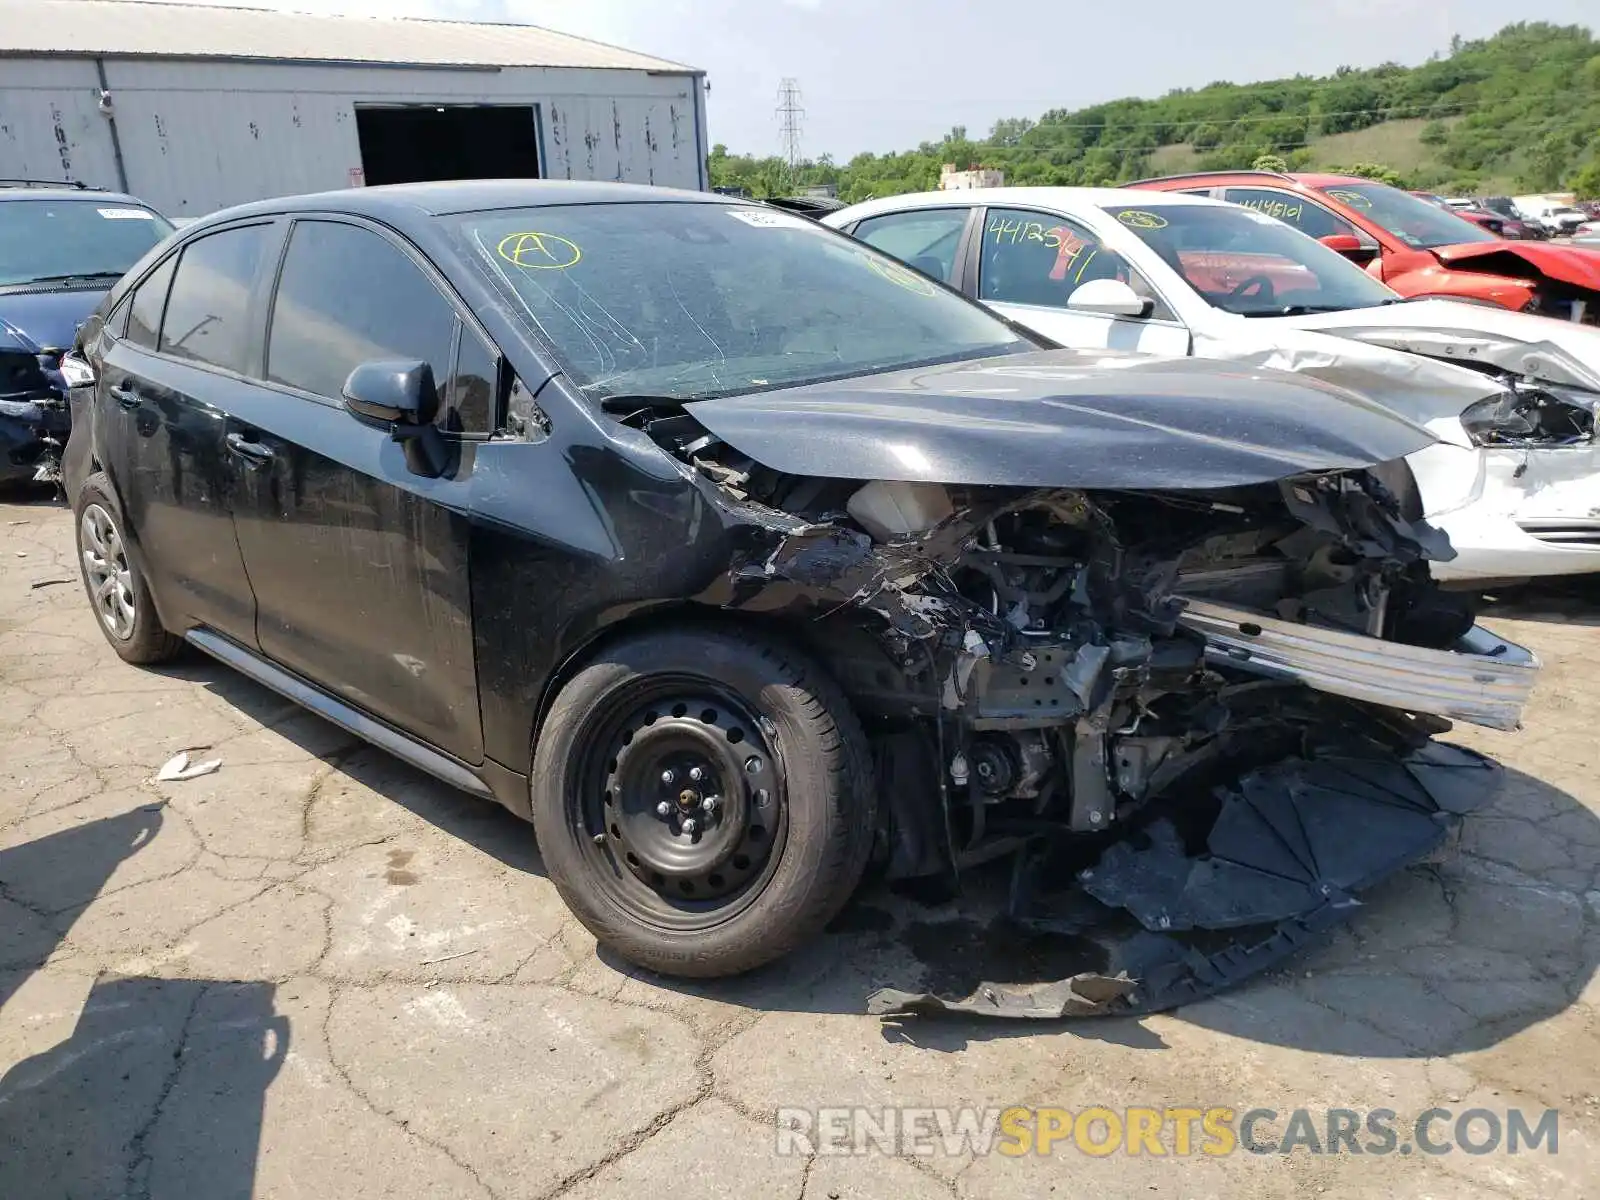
[
  {"x": 1567, "y": 264},
  {"x": 48, "y": 320},
  {"x": 1555, "y": 352},
  {"x": 1064, "y": 418}
]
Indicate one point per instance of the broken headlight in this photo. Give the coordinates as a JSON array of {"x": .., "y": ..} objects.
[{"x": 1532, "y": 415}]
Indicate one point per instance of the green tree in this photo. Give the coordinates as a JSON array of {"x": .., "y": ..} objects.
[
  {"x": 1370, "y": 170},
  {"x": 1585, "y": 181},
  {"x": 1519, "y": 111},
  {"x": 1270, "y": 162}
]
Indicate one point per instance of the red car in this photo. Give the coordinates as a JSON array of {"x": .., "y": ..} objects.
[{"x": 1415, "y": 247}]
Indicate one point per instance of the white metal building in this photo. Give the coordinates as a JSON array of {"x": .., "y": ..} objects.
[{"x": 195, "y": 108}]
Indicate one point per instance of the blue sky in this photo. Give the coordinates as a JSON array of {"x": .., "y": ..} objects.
[{"x": 886, "y": 74}]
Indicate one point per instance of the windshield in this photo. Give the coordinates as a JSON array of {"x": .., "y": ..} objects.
[
  {"x": 65, "y": 239},
  {"x": 695, "y": 300},
  {"x": 1246, "y": 262},
  {"x": 1415, "y": 222}
]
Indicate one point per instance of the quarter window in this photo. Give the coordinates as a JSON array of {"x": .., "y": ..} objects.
[
  {"x": 346, "y": 297},
  {"x": 149, "y": 299},
  {"x": 208, "y": 307},
  {"x": 1307, "y": 216},
  {"x": 471, "y": 396},
  {"x": 926, "y": 239}
]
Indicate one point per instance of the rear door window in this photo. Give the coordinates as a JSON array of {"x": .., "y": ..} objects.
[
  {"x": 926, "y": 239},
  {"x": 149, "y": 301},
  {"x": 207, "y": 314}
]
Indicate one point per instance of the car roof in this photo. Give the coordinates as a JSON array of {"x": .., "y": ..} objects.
[
  {"x": 400, "y": 201},
  {"x": 67, "y": 192},
  {"x": 1049, "y": 197},
  {"x": 1210, "y": 178},
  {"x": 1318, "y": 181}
]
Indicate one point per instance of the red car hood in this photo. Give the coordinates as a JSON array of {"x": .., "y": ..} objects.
[{"x": 1567, "y": 264}]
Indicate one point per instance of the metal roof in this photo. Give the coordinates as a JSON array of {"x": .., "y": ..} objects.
[{"x": 113, "y": 28}]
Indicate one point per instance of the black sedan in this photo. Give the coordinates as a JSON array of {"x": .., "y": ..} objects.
[{"x": 737, "y": 556}]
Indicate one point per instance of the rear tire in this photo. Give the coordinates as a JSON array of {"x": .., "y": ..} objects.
[
  {"x": 632, "y": 748},
  {"x": 113, "y": 582}
]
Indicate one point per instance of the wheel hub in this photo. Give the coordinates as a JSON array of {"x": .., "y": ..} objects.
[
  {"x": 106, "y": 570},
  {"x": 688, "y": 797}
]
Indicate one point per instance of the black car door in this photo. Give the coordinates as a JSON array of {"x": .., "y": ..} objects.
[
  {"x": 163, "y": 387},
  {"x": 360, "y": 565}
]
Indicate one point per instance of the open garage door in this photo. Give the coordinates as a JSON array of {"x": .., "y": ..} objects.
[{"x": 421, "y": 142}]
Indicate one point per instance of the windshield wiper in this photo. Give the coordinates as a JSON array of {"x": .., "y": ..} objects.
[
  {"x": 625, "y": 404},
  {"x": 75, "y": 275},
  {"x": 1296, "y": 310}
]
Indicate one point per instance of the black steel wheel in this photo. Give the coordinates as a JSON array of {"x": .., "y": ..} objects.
[{"x": 703, "y": 801}]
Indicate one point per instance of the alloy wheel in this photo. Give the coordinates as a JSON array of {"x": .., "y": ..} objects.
[{"x": 105, "y": 566}]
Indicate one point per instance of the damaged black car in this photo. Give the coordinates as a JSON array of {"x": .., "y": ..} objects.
[
  {"x": 61, "y": 247},
  {"x": 743, "y": 560}
]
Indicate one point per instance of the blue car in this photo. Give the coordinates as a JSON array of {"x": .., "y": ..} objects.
[{"x": 61, "y": 249}]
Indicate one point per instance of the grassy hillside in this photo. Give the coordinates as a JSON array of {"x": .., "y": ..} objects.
[{"x": 1516, "y": 112}]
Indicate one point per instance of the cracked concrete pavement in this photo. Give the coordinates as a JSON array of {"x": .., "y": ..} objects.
[{"x": 320, "y": 973}]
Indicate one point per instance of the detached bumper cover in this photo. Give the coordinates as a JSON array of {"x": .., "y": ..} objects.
[
  {"x": 1484, "y": 681},
  {"x": 1293, "y": 846}
]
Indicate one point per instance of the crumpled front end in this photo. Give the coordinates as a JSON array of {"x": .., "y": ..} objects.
[
  {"x": 1197, "y": 722},
  {"x": 34, "y": 418}
]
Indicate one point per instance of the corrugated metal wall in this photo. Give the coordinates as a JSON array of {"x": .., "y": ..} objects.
[{"x": 198, "y": 136}]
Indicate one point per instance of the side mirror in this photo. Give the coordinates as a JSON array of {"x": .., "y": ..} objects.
[
  {"x": 1111, "y": 298},
  {"x": 1349, "y": 245},
  {"x": 393, "y": 393}
]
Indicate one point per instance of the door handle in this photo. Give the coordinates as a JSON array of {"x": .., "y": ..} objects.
[
  {"x": 253, "y": 452},
  {"x": 125, "y": 395}
]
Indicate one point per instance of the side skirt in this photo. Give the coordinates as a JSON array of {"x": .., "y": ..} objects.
[{"x": 494, "y": 783}]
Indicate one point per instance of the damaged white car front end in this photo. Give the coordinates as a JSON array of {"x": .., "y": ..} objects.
[
  {"x": 1520, "y": 497},
  {"x": 1514, "y": 479}
]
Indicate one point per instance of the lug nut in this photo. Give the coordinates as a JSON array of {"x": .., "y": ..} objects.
[
  {"x": 668, "y": 777},
  {"x": 753, "y": 765},
  {"x": 689, "y": 825},
  {"x": 663, "y": 809},
  {"x": 709, "y": 804},
  {"x": 696, "y": 774}
]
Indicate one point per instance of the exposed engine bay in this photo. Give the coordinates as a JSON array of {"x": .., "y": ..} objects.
[{"x": 1169, "y": 709}]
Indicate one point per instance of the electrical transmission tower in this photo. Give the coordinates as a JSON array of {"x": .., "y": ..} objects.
[{"x": 791, "y": 117}]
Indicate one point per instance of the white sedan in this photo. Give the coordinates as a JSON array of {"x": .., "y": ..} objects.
[{"x": 1513, "y": 398}]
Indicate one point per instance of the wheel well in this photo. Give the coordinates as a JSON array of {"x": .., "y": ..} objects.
[
  {"x": 676, "y": 616},
  {"x": 854, "y": 660}
]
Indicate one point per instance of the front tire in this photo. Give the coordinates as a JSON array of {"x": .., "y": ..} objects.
[
  {"x": 115, "y": 586},
  {"x": 703, "y": 800}
]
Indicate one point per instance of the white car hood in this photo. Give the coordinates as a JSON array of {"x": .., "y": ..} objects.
[
  {"x": 1429, "y": 392},
  {"x": 1554, "y": 352}
]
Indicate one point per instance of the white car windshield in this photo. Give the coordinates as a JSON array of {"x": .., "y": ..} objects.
[
  {"x": 1244, "y": 262},
  {"x": 694, "y": 300}
]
